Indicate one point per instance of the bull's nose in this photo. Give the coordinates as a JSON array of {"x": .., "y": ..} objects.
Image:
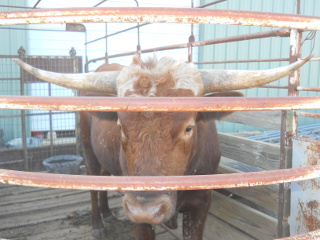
[
  {"x": 151, "y": 215},
  {"x": 153, "y": 212}
]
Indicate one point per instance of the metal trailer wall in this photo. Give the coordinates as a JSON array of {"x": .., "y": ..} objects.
[{"x": 259, "y": 49}]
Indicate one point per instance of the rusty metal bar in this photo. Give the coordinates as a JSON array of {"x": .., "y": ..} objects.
[
  {"x": 158, "y": 183},
  {"x": 244, "y": 61},
  {"x": 302, "y": 88},
  {"x": 158, "y": 104},
  {"x": 160, "y": 15},
  {"x": 308, "y": 114},
  {"x": 274, "y": 33},
  {"x": 314, "y": 235}
]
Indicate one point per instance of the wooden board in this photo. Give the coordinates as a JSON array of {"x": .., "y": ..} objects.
[
  {"x": 242, "y": 217},
  {"x": 214, "y": 229},
  {"x": 270, "y": 119},
  {"x": 28, "y": 213},
  {"x": 255, "y": 153},
  {"x": 266, "y": 196}
]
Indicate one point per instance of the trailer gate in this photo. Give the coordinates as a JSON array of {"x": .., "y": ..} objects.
[{"x": 303, "y": 149}]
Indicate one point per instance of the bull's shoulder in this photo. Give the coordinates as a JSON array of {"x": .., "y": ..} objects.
[{"x": 109, "y": 67}]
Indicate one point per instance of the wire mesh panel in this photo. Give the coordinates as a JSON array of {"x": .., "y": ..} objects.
[{"x": 29, "y": 137}]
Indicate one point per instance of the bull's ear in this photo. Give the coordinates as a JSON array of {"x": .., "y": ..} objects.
[{"x": 218, "y": 115}]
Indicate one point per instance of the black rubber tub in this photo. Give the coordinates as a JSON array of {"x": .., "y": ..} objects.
[{"x": 64, "y": 164}]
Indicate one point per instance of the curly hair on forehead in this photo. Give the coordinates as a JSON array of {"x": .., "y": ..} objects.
[{"x": 161, "y": 78}]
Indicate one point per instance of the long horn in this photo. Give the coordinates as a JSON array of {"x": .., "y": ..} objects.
[
  {"x": 224, "y": 80},
  {"x": 97, "y": 81}
]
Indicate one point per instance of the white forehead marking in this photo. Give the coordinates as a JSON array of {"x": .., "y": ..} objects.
[{"x": 185, "y": 75}]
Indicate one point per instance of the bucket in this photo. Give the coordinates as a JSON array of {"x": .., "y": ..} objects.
[{"x": 64, "y": 164}]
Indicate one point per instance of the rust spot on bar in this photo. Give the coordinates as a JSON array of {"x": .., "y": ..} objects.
[
  {"x": 308, "y": 215},
  {"x": 158, "y": 183},
  {"x": 158, "y": 104},
  {"x": 159, "y": 15},
  {"x": 314, "y": 235}
]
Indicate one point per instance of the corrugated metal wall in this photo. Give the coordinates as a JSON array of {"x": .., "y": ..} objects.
[
  {"x": 260, "y": 49},
  {"x": 10, "y": 42}
]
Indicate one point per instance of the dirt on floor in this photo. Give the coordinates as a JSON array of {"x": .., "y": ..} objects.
[
  {"x": 28, "y": 213},
  {"x": 119, "y": 230}
]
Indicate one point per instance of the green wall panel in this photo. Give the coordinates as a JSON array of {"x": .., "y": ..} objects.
[{"x": 276, "y": 47}]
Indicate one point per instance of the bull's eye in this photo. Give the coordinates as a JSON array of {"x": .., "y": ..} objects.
[{"x": 189, "y": 129}]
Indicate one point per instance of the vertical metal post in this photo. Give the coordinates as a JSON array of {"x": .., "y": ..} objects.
[
  {"x": 22, "y": 53},
  {"x": 77, "y": 63},
  {"x": 106, "y": 54},
  {"x": 191, "y": 39},
  {"x": 294, "y": 79},
  {"x": 289, "y": 124},
  {"x": 50, "y": 122},
  {"x": 138, "y": 33}
]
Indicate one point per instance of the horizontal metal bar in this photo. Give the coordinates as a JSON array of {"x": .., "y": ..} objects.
[
  {"x": 35, "y": 29},
  {"x": 302, "y": 88},
  {"x": 159, "y": 104},
  {"x": 3, "y": 79},
  {"x": 258, "y": 35},
  {"x": 9, "y": 56},
  {"x": 314, "y": 235},
  {"x": 9, "y": 6},
  {"x": 308, "y": 114},
  {"x": 34, "y": 114},
  {"x": 158, "y": 183},
  {"x": 244, "y": 61},
  {"x": 160, "y": 15}
]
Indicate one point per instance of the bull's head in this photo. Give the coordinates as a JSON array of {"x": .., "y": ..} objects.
[{"x": 167, "y": 143}]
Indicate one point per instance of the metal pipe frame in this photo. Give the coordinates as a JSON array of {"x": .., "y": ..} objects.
[
  {"x": 160, "y": 15},
  {"x": 245, "y": 61},
  {"x": 314, "y": 235},
  {"x": 275, "y": 33},
  {"x": 159, "y": 104},
  {"x": 308, "y": 114},
  {"x": 303, "y": 88},
  {"x": 158, "y": 183},
  {"x": 169, "y": 15}
]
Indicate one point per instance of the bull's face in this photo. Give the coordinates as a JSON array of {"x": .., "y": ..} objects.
[{"x": 155, "y": 144}]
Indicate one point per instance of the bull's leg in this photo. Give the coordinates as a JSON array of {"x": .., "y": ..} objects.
[
  {"x": 143, "y": 231},
  {"x": 195, "y": 215},
  {"x": 93, "y": 168},
  {"x": 98, "y": 230},
  {"x": 172, "y": 223},
  {"x": 104, "y": 204}
]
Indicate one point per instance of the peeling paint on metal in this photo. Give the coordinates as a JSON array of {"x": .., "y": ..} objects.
[
  {"x": 305, "y": 198},
  {"x": 158, "y": 104},
  {"x": 159, "y": 15},
  {"x": 159, "y": 183}
]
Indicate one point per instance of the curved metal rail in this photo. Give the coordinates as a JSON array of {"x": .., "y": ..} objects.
[
  {"x": 158, "y": 183},
  {"x": 184, "y": 104},
  {"x": 160, "y": 15}
]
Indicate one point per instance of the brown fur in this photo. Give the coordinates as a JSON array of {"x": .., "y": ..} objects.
[{"x": 154, "y": 144}]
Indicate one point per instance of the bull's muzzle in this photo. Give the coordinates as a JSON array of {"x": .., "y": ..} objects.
[{"x": 149, "y": 207}]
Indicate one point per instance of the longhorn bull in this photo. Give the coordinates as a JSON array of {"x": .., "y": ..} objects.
[{"x": 155, "y": 143}]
